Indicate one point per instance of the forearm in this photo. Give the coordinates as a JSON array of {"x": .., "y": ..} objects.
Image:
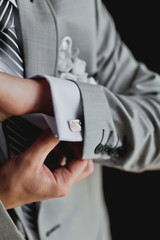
[
  {"x": 121, "y": 114},
  {"x": 22, "y": 96}
]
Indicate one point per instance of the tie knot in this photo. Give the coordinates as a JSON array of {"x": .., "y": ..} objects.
[{"x": 6, "y": 15}]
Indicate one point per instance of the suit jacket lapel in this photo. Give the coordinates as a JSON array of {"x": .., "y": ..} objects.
[
  {"x": 35, "y": 36},
  {"x": 39, "y": 30}
]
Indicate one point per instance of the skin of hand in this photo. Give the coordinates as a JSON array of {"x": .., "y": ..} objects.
[
  {"x": 25, "y": 178},
  {"x": 21, "y": 96}
]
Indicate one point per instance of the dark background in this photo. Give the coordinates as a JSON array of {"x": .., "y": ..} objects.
[{"x": 133, "y": 199}]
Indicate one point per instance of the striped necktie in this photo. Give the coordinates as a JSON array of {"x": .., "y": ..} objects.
[
  {"x": 9, "y": 49},
  {"x": 16, "y": 129}
]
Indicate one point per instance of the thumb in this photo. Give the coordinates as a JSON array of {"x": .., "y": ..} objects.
[{"x": 42, "y": 146}]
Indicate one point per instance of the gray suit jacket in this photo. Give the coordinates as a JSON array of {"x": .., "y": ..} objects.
[{"x": 125, "y": 102}]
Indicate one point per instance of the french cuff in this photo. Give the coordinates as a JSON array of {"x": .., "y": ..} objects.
[
  {"x": 97, "y": 119},
  {"x": 67, "y": 105}
]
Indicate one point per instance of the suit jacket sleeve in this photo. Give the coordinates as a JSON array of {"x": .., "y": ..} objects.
[{"x": 126, "y": 102}]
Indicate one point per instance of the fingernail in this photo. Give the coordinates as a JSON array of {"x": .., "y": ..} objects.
[{"x": 63, "y": 161}]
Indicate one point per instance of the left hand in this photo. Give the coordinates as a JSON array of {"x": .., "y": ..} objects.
[{"x": 19, "y": 96}]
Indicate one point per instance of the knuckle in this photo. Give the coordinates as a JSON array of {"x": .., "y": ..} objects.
[
  {"x": 64, "y": 191},
  {"x": 24, "y": 161},
  {"x": 90, "y": 167},
  {"x": 62, "y": 188},
  {"x": 63, "y": 183}
]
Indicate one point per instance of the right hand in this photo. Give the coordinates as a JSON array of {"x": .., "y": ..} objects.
[{"x": 25, "y": 178}]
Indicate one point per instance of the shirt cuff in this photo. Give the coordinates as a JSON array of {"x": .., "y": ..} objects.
[{"x": 67, "y": 105}]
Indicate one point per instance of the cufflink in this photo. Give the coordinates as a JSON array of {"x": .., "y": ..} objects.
[{"x": 75, "y": 125}]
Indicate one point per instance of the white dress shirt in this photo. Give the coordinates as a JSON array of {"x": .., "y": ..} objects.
[{"x": 13, "y": 2}]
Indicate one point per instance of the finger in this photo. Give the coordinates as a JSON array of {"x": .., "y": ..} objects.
[
  {"x": 42, "y": 146},
  {"x": 87, "y": 171},
  {"x": 55, "y": 160},
  {"x": 63, "y": 161},
  {"x": 73, "y": 150},
  {"x": 67, "y": 176}
]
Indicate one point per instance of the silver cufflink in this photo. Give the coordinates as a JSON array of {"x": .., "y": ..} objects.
[{"x": 75, "y": 125}]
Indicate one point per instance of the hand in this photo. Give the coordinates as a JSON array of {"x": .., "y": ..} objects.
[
  {"x": 22, "y": 96},
  {"x": 25, "y": 178},
  {"x": 66, "y": 151}
]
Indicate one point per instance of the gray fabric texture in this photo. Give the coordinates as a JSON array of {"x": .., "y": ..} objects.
[
  {"x": 126, "y": 101},
  {"x": 8, "y": 230}
]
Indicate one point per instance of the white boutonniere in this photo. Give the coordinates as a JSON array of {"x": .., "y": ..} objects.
[{"x": 70, "y": 66}]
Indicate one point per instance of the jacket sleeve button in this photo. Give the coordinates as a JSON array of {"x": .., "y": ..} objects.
[{"x": 98, "y": 149}]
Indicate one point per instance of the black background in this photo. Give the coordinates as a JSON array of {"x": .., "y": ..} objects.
[{"x": 133, "y": 199}]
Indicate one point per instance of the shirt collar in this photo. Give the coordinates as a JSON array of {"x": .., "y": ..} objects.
[{"x": 13, "y": 2}]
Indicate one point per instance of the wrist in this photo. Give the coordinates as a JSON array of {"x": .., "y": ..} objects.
[
  {"x": 40, "y": 100},
  {"x": 23, "y": 96}
]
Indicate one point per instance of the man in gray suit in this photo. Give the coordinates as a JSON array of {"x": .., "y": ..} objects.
[{"x": 120, "y": 118}]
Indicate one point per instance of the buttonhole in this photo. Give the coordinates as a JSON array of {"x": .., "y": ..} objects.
[
  {"x": 99, "y": 147},
  {"x": 52, "y": 230}
]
